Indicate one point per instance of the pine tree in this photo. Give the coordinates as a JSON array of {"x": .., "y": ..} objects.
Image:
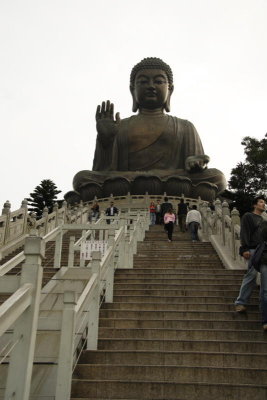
[
  {"x": 249, "y": 178},
  {"x": 44, "y": 195}
]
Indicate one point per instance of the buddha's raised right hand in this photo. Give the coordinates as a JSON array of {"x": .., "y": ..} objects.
[{"x": 106, "y": 124}]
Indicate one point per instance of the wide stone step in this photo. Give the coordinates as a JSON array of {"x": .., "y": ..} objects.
[
  {"x": 175, "y": 314},
  {"x": 177, "y": 281},
  {"x": 179, "y": 306},
  {"x": 179, "y": 323},
  {"x": 184, "y": 291},
  {"x": 178, "y": 334},
  {"x": 131, "y": 389},
  {"x": 178, "y": 265},
  {"x": 208, "y": 345},
  {"x": 174, "y": 273},
  {"x": 168, "y": 373},
  {"x": 188, "y": 299},
  {"x": 188, "y": 358},
  {"x": 183, "y": 285}
]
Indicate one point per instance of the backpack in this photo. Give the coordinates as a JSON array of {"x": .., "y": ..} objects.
[{"x": 255, "y": 260}]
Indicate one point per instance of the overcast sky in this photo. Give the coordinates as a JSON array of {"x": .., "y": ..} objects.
[{"x": 60, "y": 58}]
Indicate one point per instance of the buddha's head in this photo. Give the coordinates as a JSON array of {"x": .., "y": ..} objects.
[{"x": 151, "y": 84}]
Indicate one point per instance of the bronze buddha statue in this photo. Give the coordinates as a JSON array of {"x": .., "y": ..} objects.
[{"x": 149, "y": 152}]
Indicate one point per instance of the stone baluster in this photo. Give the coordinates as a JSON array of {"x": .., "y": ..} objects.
[
  {"x": 218, "y": 205},
  {"x": 129, "y": 199},
  {"x": 24, "y": 206},
  {"x": 71, "y": 252},
  {"x": 204, "y": 207},
  {"x": 55, "y": 210},
  {"x": 110, "y": 273},
  {"x": 225, "y": 212},
  {"x": 92, "y": 336},
  {"x": 65, "y": 363},
  {"x": 45, "y": 216},
  {"x": 235, "y": 220},
  {"x": 6, "y": 212},
  {"x": 209, "y": 222},
  {"x": 63, "y": 214},
  {"x": 81, "y": 211}
]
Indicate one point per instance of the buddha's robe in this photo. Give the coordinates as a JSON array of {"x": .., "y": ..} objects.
[
  {"x": 168, "y": 142},
  {"x": 165, "y": 150}
]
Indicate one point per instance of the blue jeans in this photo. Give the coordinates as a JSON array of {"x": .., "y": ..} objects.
[
  {"x": 152, "y": 218},
  {"x": 193, "y": 228},
  {"x": 263, "y": 295},
  {"x": 247, "y": 285}
]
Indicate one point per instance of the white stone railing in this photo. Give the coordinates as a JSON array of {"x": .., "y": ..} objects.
[
  {"x": 222, "y": 228},
  {"x": 16, "y": 225},
  {"x": 78, "y": 319},
  {"x": 20, "y": 312}
]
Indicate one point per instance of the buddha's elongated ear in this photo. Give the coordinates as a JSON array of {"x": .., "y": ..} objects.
[
  {"x": 167, "y": 105},
  {"x": 135, "y": 106}
]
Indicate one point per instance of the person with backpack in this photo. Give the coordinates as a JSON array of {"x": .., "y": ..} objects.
[
  {"x": 259, "y": 262},
  {"x": 250, "y": 238}
]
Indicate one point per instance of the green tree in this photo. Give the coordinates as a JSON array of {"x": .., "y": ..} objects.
[
  {"x": 44, "y": 195},
  {"x": 249, "y": 178}
]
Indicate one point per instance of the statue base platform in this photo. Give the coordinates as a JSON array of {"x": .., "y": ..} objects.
[{"x": 89, "y": 185}]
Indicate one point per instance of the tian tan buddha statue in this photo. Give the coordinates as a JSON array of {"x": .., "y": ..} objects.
[{"x": 148, "y": 152}]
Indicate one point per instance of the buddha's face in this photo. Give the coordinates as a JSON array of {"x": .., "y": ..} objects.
[{"x": 151, "y": 88}]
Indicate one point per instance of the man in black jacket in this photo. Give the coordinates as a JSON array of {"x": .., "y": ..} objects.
[
  {"x": 111, "y": 211},
  {"x": 250, "y": 238}
]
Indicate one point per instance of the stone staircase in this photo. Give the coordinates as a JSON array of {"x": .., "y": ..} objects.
[{"x": 172, "y": 333}]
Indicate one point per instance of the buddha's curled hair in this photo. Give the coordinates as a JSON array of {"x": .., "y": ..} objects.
[{"x": 151, "y": 63}]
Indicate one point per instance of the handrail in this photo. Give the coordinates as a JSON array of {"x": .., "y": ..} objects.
[
  {"x": 12, "y": 263},
  {"x": 14, "y": 306}
]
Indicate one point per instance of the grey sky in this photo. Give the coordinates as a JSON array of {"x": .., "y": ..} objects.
[{"x": 59, "y": 59}]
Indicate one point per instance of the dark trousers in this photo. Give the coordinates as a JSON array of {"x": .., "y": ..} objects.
[
  {"x": 193, "y": 228},
  {"x": 181, "y": 220},
  {"x": 169, "y": 229},
  {"x": 158, "y": 218}
]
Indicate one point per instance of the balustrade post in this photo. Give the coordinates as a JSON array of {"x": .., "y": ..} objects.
[
  {"x": 81, "y": 211},
  {"x": 45, "y": 215},
  {"x": 82, "y": 262},
  {"x": 58, "y": 249},
  {"x": 93, "y": 320},
  {"x": 64, "y": 209},
  {"x": 129, "y": 199},
  {"x": 235, "y": 220},
  {"x": 204, "y": 208},
  {"x": 21, "y": 359},
  {"x": 110, "y": 273},
  {"x": 55, "y": 210},
  {"x": 133, "y": 238},
  {"x": 24, "y": 205},
  {"x": 71, "y": 252},
  {"x": 6, "y": 212},
  {"x": 225, "y": 211},
  {"x": 217, "y": 205},
  {"x": 66, "y": 348},
  {"x": 209, "y": 222}
]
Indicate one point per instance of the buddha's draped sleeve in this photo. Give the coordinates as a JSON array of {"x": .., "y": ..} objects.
[
  {"x": 192, "y": 142},
  {"x": 104, "y": 156}
]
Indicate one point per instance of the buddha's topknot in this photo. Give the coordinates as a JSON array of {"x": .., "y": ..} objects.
[{"x": 151, "y": 63}]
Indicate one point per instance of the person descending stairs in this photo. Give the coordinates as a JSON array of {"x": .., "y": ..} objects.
[{"x": 172, "y": 332}]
